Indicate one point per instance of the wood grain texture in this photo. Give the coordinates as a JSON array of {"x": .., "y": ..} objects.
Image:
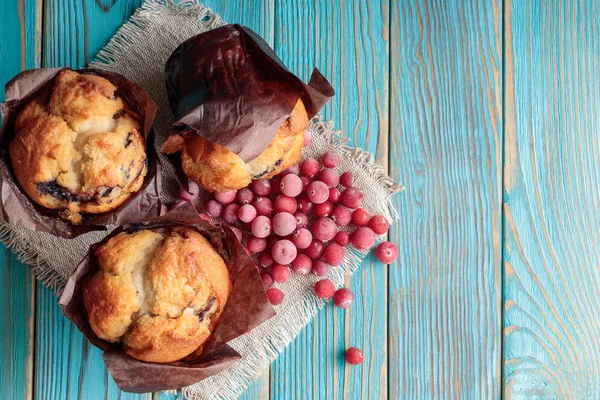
[
  {"x": 20, "y": 32},
  {"x": 348, "y": 42},
  {"x": 551, "y": 184},
  {"x": 446, "y": 133}
]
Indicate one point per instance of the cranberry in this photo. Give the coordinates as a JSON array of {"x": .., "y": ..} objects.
[
  {"x": 291, "y": 185},
  {"x": 330, "y": 177},
  {"x": 334, "y": 254},
  {"x": 244, "y": 196},
  {"x": 330, "y": 159},
  {"x": 256, "y": 245},
  {"x": 324, "y": 289},
  {"x": 304, "y": 204},
  {"x": 263, "y": 206},
  {"x": 341, "y": 215},
  {"x": 363, "y": 238},
  {"x": 276, "y": 185},
  {"x": 301, "y": 238},
  {"x": 317, "y": 192},
  {"x": 343, "y": 298},
  {"x": 230, "y": 213},
  {"x": 379, "y": 224},
  {"x": 247, "y": 213},
  {"x": 342, "y": 238},
  {"x": 334, "y": 195},
  {"x": 301, "y": 220},
  {"x": 284, "y": 223},
  {"x": 265, "y": 259},
  {"x": 261, "y": 187},
  {"x": 310, "y": 168},
  {"x": 275, "y": 296},
  {"x": 226, "y": 197},
  {"x": 354, "y": 356},
  {"x": 267, "y": 280},
  {"x": 261, "y": 226},
  {"x": 214, "y": 208},
  {"x": 324, "y": 229},
  {"x": 347, "y": 179},
  {"x": 386, "y": 252},
  {"x": 302, "y": 264},
  {"x": 315, "y": 250},
  {"x": 280, "y": 273},
  {"x": 360, "y": 217},
  {"x": 320, "y": 268},
  {"x": 284, "y": 252},
  {"x": 285, "y": 203},
  {"x": 305, "y": 183},
  {"x": 323, "y": 209},
  {"x": 352, "y": 197}
]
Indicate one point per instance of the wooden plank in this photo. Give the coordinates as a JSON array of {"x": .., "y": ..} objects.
[
  {"x": 446, "y": 124},
  {"x": 551, "y": 185},
  {"x": 20, "y": 28},
  {"x": 348, "y": 42}
]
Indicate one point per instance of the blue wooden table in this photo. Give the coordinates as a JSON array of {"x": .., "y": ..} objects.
[{"x": 488, "y": 113}]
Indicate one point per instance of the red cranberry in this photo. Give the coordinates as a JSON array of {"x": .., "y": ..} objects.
[
  {"x": 256, "y": 245},
  {"x": 230, "y": 213},
  {"x": 334, "y": 195},
  {"x": 324, "y": 229},
  {"x": 330, "y": 177},
  {"x": 267, "y": 280},
  {"x": 302, "y": 264},
  {"x": 214, "y": 208},
  {"x": 379, "y": 224},
  {"x": 347, "y": 179},
  {"x": 275, "y": 296},
  {"x": 304, "y": 204},
  {"x": 284, "y": 252},
  {"x": 280, "y": 273},
  {"x": 315, "y": 250},
  {"x": 352, "y": 197},
  {"x": 261, "y": 187},
  {"x": 310, "y": 168},
  {"x": 334, "y": 254},
  {"x": 323, "y": 209},
  {"x": 363, "y": 238},
  {"x": 354, "y": 356},
  {"x": 225, "y": 197},
  {"x": 341, "y": 215},
  {"x": 360, "y": 217},
  {"x": 244, "y": 196},
  {"x": 330, "y": 159},
  {"x": 265, "y": 259},
  {"x": 317, "y": 192},
  {"x": 342, "y": 238},
  {"x": 301, "y": 238},
  {"x": 320, "y": 268},
  {"x": 263, "y": 206},
  {"x": 386, "y": 252},
  {"x": 301, "y": 220},
  {"x": 284, "y": 203},
  {"x": 324, "y": 288},
  {"x": 343, "y": 298}
]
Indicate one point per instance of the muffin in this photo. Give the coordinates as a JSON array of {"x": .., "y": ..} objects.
[
  {"x": 78, "y": 148},
  {"x": 160, "y": 292},
  {"x": 218, "y": 169}
]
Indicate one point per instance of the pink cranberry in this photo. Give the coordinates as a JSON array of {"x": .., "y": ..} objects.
[
  {"x": 284, "y": 252},
  {"x": 379, "y": 224},
  {"x": 302, "y": 264},
  {"x": 386, "y": 252},
  {"x": 244, "y": 196},
  {"x": 214, "y": 208},
  {"x": 315, "y": 250},
  {"x": 284, "y": 203},
  {"x": 291, "y": 185},
  {"x": 330, "y": 159},
  {"x": 275, "y": 296},
  {"x": 265, "y": 259},
  {"x": 263, "y": 206},
  {"x": 247, "y": 213},
  {"x": 320, "y": 268},
  {"x": 267, "y": 280},
  {"x": 261, "y": 187},
  {"x": 191, "y": 193},
  {"x": 324, "y": 289},
  {"x": 304, "y": 204},
  {"x": 341, "y": 215},
  {"x": 310, "y": 168},
  {"x": 324, "y": 229},
  {"x": 226, "y": 197},
  {"x": 352, "y": 197},
  {"x": 363, "y": 238},
  {"x": 230, "y": 213},
  {"x": 261, "y": 226},
  {"x": 360, "y": 217},
  {"x": 302, "y": 238},
  {"x": 280, "y": 273},
  {"x": 330, "y": 177},
  {"x": 301, "y": 220},
  {"x": 317, "y": 192},
  {"x": 334, "y": 195},
  {"x": 354, "y": 356},
  {"x": 347, "y": 179},
  {"x": 256, "y": 245},
  {"x": 334, "y": 254},
  {"x": 343, "y": 298},
  {"x": 342, "y": 238},
  {"x": 323, "y": 209},
  {"x": 284, "y": 223},
  {"x": 307, "y": 137}
]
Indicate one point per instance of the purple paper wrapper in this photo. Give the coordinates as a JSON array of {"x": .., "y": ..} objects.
[
  {"x": 246, "y": 308},
  {"x": 19, "y": 210},
  {"x": 228, "y": 86}
]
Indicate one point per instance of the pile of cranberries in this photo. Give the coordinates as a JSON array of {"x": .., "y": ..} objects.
[{"x": 278, "y": 212}]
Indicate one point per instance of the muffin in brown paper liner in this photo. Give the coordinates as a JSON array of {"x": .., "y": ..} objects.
[
  {"x": 18, "y": 209},
  {"x": 229, "y": 87},
  {"x": 246, "y": 308}
]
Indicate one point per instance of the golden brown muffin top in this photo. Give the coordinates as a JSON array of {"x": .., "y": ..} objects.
[
  {"x": 78, "y": 147},
  {"x": 159, "y": 291}
]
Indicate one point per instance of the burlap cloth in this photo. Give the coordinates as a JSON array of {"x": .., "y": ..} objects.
[{"x": 139, "y": 51}]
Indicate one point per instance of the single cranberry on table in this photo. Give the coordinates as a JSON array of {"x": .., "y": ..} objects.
[
  {"x": 291, "y": 185},
  {"x": 256, "y": 245},
  {"x": 379, "y": 224},
  {"x": 265, "y": 259},
  {"x": 230, "y": 213},
  {"x": 301, "y": 265},
  {"x": 310, "y": 167},
  {"x": 315, "y": 249},
  {"x": 261, "y": 187},
  {"x": 285, "y": 203},
  {"x": 354, "y": 356},
  {"x": 275, "y": 296},
  {"x": 284, "y": 252},
  {"x": 363, "y": 238},
  {"x": 263, "y": 206},
  {"x": 301, "y": 238},
  {"x": 324, "y": 229},
  {"x": 360, "y": 217},
  {"x": 284, "y": 223},
  {"x": 191, "y": 193},
  {"x": 323, "y": 209},
  {"x": 334, "y": 254},
  {"x": 320, "y": 268},
  {"x": 247, "y": 213},
  {"x": 334, "y": 195},
  {"x": 352, "y": 197},
  {"x": 342, "y": 238},
  {"x": 341, "y": 215},
  {"x": 261, "y": 226},
  {"x": 386, "y": 252},
  {"x": 347, "y": 179},
  {"x": 213, "y": 208},
  {"x": 267, "y": 280},
  {"x": 226, "y": 197},
  {"x": 330, "y": 159},
  {"x": 301, "y": 220},
  {"x": 343, "y": 298},
  {"x": 304, "y": 204},
  {"x": 324, "y": 289},
  {"x": 280, "y": 273},
  {"x": 330, "y": 177},
  {"x": 317, "y": 192}
]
